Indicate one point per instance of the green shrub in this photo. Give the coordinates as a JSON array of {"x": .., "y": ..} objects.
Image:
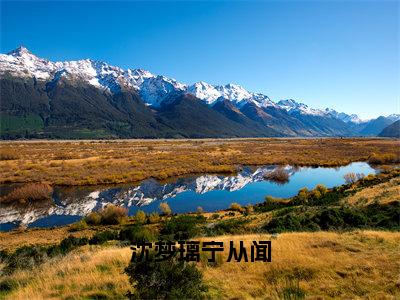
[
  {"x": 230, "y": 226},
  {"x": 7, "y": 285},
  {"x": 103, "y": 236},
  {"x": 169, "y": 279},
  {"x": 3, "y": 255},
  {"x": 70, "y": 243},
  {"x": 302, "y": 196},
  {"x": 270, "y": 203},
  {"x": 291, "y": 222},
  {"x": 182, "y": 227},
  {"x": 293, "y": 291},
  {"x": 136, "y": 234},
  {"x": 27, "y": 257},
  {"x": 377, "y": 216},
  {"x": 315, "y": 194},
  {"x": 214, "y": 216}
]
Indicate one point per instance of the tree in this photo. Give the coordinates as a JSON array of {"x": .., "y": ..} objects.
[{"x": 168, "y": 279}]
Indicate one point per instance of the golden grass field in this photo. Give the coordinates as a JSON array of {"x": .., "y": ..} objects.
[
  {"x": 358, "y": 264},
  {"x": 121, "y": 161},
  {"x": 383, "y": 193}
]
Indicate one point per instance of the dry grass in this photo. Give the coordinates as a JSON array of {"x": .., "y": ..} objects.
[
  {"x": 363, "y": 264},
  {"x": 99, "y": 162},
  {"x": 90, "y": 272},
  {"x": 383, "y": 193},
  {"x": 278, "y": 175},
  {"x": 28, "y": 192},
  {"x": 13, "y": 239},
  {"x": 112, "y": 214},
  {"x": 384, "y": 158},
  {"x": 358, "y": 264}
]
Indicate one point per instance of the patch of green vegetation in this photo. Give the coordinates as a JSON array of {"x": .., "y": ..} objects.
[
  {"x": 182, "y": 227},
  {"x": 7, "y": 285},
  {"x": 169, "y": 279},
  {"x": 103, "y": 237},
  {"x": 230, "y": 226},
  {"x": 79, "y": 134},
  {"x": 20, "y": 126},
  {"x": 378, "y": 216},
  {"x": 27, "y": 257},
  {"x": 103, "y": 268},
  {"x": 137, "y": 234}
]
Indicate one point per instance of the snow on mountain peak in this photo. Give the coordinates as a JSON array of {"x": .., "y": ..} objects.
[
  {"x": 291, "y": 106},
  {"x": 204, "y": 91},
  {"x": 394, "y": 117},
  {"x": 152, "y": 88},
  {"x": 233, "y": 92},
  {"x": 353, "y": 118},
  {"x": 21, "y": 50}
]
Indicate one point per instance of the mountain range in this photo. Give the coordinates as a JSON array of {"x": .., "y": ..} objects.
[
  {"x": 393, "y": 130},
  {"x": 92, "y": 99}
]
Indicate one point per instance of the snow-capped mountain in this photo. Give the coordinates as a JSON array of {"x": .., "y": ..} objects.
[
  {"x": 233, "y": 92},
  {"x": 353, "y": 118},
  {"x": 129, "y": 103},
  {"x": 393, "y": 117},
  {"x": 154, "y": 89},
  {"x": 291, "y": 106}
]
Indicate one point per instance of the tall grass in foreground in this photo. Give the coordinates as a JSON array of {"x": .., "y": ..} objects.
[{"x": 361, "y": 264}]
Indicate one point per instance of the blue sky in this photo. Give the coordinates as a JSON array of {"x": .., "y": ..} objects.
[{"x": 343, "y": 55}]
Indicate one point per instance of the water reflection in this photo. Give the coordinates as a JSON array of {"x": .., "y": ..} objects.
[{"x": 212, "y": 192}]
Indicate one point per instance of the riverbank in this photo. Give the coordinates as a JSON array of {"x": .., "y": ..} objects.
[
  {"x": 111, "y": 162},
  {"x": 332, "y": 243}
]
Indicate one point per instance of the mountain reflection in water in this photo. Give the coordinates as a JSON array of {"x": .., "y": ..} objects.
[{"x": 211, "y": 192}]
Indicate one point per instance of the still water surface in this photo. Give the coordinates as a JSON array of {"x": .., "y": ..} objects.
[{"x": 211, "y": 192}]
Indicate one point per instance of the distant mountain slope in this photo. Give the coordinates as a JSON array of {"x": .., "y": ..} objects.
[
  {"x": 393, "y": 130},
  {"x": 374, "y": 127},
  {"x": 91, "y": 99},
  {"x": 35, "y": 109},
  {"x": 193, "y": 118}
]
